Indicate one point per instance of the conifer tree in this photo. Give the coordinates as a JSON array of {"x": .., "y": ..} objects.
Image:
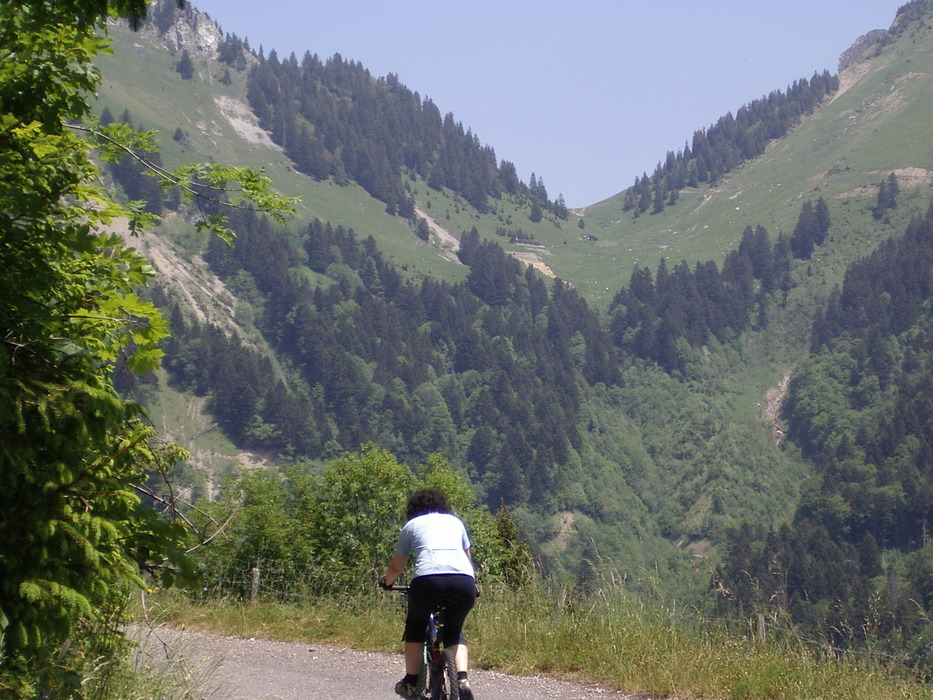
[
  {"x": 823, "y": 220},
  {"x": 560, "y": 207},
  {"x": 185, "y": 66},
  {"x": 888, "y": 191},
  {"x": 537, "y": 213},
  {"x": 806, "y": 232}
]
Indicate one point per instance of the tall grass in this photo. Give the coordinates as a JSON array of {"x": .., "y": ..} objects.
[
  {"x": 614, "y": 638},
  {"x": 611, "y": 637}
]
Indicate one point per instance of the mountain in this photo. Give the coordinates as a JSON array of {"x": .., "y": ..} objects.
[
  {"x": 614, "y": 374},
  {"x": 568, "y": 251}
]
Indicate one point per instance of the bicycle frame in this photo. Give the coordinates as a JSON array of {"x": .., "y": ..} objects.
[{"x": 437, "y": 677}]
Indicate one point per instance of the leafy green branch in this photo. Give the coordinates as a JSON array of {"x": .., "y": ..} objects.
[
  {"x": 76, "y": 533},
  {"x": 198, "y": 182}
]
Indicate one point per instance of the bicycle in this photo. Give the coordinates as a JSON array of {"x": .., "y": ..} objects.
[{"x": 437, "y": 679}]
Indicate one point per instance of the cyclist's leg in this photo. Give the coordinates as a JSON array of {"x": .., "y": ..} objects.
[
  {"x": 419, "y": 609},
  {"x": 460, "y": 594},
  {"x": 413, "y": 653},
  {"x": 421, "y": 602},
  {"x": 462, "y": 654}
]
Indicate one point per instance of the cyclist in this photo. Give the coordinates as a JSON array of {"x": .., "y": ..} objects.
[{"x": 443, "y": 572}]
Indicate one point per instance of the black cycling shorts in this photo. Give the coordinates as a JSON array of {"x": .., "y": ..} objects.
[{"x": 457, "y": 593}]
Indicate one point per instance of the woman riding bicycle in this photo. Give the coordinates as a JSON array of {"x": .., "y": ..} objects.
[{"x": 443, "y": 572}]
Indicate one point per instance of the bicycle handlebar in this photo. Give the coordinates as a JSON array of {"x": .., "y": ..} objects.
[
  {"x": 393, "y": 587},
  {"x": 401, "y": 588}
]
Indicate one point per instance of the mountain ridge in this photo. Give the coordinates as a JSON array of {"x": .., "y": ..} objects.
[
  {"x": 588, "y": 260},
  {"x": 660, "y": 464}
]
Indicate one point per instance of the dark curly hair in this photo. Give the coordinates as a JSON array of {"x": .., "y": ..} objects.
[{"x": 425, "y": 501}]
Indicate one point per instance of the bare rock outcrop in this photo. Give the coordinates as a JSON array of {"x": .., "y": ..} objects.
[
  {"x": 864, "y": 47},
  {"x": 181, "y": 29}
]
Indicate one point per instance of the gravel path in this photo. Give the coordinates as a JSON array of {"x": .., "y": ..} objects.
[{"x": 234, "y": 668}]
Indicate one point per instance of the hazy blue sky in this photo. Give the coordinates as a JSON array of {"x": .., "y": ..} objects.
[{"x": 585, "y": 94}]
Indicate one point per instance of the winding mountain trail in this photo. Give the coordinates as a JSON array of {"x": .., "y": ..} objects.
[{"x": 214, "y": 667}]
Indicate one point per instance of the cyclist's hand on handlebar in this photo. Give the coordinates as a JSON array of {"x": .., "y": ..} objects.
[
  {"x": 384, "y": 584},
  {"x": 478, "y": 591}
]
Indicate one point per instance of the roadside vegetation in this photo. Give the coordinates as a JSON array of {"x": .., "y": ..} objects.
[
  {"x": 75, "y": 534},
  {"x": 610, "y": 637},
  {"x": 301, "y": 549}
]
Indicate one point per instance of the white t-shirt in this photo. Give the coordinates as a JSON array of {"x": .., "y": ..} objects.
[{"x": 439, "y": 542}]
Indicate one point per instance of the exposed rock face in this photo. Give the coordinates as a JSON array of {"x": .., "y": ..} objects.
[
  {"x": 862, "y": 46},
  {"x": 192, "y": 31},
  {"x": 181, "y": 30}
]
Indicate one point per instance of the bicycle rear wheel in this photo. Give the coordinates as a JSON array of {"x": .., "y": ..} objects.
[{"x": 444, "y": 684}]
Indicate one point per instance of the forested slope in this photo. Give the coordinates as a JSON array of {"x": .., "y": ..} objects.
[
  {"x": 623, "y": 432},
  {"x": 855, "y": 561}
]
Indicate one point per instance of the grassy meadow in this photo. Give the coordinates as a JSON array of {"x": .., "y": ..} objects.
[{"x": 611, "y": 638}]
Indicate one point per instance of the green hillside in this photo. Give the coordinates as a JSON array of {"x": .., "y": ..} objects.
[
  {"x": 662, "y": 462},
  {"x": 878, "y": 122},
  {"x": 218, "y": 125},
  {"x": 873, "y": 125}
]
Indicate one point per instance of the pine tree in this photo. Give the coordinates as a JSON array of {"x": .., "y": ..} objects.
[
  {"x": 537, "y": 214},
  {"x": 185, "y": 66},
  {"x": 888, "y": 191},
  {"x": 423, "y": 230},
  {"x": 560, "y": 207},
  {"x": 823, "y": 220},
  {"x": 806, "y": 232}
]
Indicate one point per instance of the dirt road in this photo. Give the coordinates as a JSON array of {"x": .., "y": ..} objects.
[{"x": 233, "y": 668}]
